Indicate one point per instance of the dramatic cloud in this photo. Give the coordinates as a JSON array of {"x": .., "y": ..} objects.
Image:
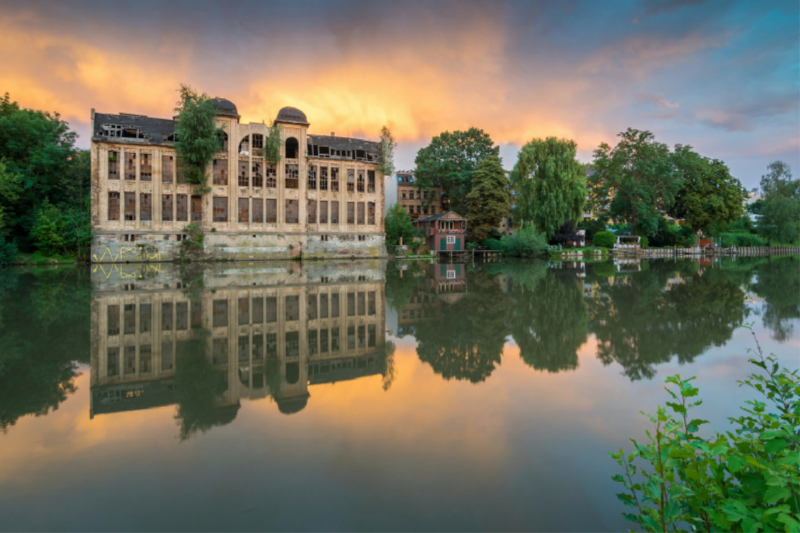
[{"x": 719, "y": 76}]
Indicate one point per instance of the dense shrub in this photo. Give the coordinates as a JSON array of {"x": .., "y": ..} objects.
[
  {"x": 644, "y": 243},
  {"x": 8, "y": 251},
  {"x": 604, "y": 239},
  {"x": 526, "y": 242},
  {"x": 492, "y": 244},
  {"x": 741, "y": 239},
  {"x": 566, "y": 233},
  {"x": 669, "y": 235},
  {"x": 592, "y": 227},
  {"x": 746, "y": 479}
]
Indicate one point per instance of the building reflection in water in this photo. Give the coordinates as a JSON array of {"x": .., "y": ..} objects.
[{"x": 233, "y": 333}]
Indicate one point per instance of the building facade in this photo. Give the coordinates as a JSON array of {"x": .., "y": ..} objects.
[
  {"x": 419, "y": 203},
  {"x": 325, "y": 197},
  {"x": 444, "y": 232}
]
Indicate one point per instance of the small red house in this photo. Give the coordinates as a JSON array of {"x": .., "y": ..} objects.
[{"x": 444, "y": 232}]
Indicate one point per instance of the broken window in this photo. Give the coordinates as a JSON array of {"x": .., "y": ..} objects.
[
  {"x": 130, "y": 166},
  {"x": 292, "y": 148},
  {"x": 181, "y": 316},
  {"x": 113, "y": 319},
  {"x": 220, "y": 209},
  {"x": 197, "y": 314},
  {"x": 129, "y": 360},
  {"x": 129, "y": 319},
  {"x": 130, "y": 206},
  {"x": 323, "y": 212},
  {"x": 244, "y": 146},
  {"x": 292, "y": 212},
  {"x": 334, "y": 179},
  {"x": 404, "y": 195},
  {"x": 244, "y": 311},
  {"x": 334, "y": 212},
  {"x": 362, "y": 304},
  {"x": 113, "y": 165},
  {"x": 272, "y": 309},
  {"x": 361, "y": 154},
  {"x": 244, "y": 210},
  {"x": 166, "y": 316},
  {"x": 360, "y": 182},
  {"x": 180, "y": 169},
  {"x": 272, "y": 211},
  {"x": 220, "y": 171},
  {"x": 272, "y": 175},
  {"x": 312, "y": 342},
  {"x": 145, "y": 317},
  {"x": 112, "y": 367},
  {"x": 219, "y": 313},
  {"x": 351, "y": 180},
  {"x": 292, "y": 350},
  {"x": 323, "y": 178},
  {"x": 258, "y": 178},
  {"x": 166, "y": 207},
  {"x": 182, "y": 208},
  {"x": 167, "y": 168},
  {"x": 370, "y": 181},
  {"x": 360, "y": 213},
  {"x": 335, "y": 305},
  {"x": 219, "y": 351},
  {"x": 258, "y": 211},
  {"x": 323, "y": 341},
  {"x": 312, "y": 177},
  {"x": 351, "y": 304},
  {"x": 258, "y": 141},
  {"x": 113, "y": 206},
  {"x": 351, "y": 212},
  {"x": 371, "y": 213},
  {"x": 323, "y": 305},
  {"x": 292, "y": 307},
  {"x": 371, "y": 303},
  {"x": 258, "y": 312},
  {"x": 146, "y": 172},
  {"x": 166, "y": 355},
  {"x": 244, "y": 178},
  {"x": 292, "y": 176},
  {"x": 362, "y": 337},
  {"x": 222, "y": 141},
  {"x": 311, "y": 306},
  {"x": 197, "y": 208},
  {"x": 145, "y": 207},
  {"x": 335, "y": 340},
  {"x": 312, "y": 211}
]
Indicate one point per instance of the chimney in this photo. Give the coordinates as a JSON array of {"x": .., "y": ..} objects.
[{"x": 333, "y": 134}]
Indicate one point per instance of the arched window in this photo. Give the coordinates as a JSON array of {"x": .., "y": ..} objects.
[
  {"x": 222, "y": 140},
  {"x": 292, "y": 373},
  {"x": 244, "y": 146},
  {"x": 292, "y": 148}
]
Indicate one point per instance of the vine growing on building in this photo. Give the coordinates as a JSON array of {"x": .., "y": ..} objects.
[
  {"x": 197, "y": 136},
  {"x": 272, "y": 145},
  {"x": 388, "y": 144}
]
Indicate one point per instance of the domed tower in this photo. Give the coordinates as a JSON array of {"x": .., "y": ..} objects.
[{"x": 295, "y": 125}]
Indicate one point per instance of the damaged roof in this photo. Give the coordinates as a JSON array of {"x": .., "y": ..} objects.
[
  {"x": 345, "y": 143},
  {"x": 154, "y": 130}
]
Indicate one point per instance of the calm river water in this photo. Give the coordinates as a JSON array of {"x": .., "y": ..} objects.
[{"x": 360, "y": 395}]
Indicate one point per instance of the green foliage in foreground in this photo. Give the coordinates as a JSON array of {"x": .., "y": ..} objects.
[
  {"x": 744, "y": 480},
  {"x": 604, "y": 239}
]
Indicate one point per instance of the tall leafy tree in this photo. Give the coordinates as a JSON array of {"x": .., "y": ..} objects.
[
  {"x": 708, "y": 194},
  {"x": 399, "y": 225},
  {"x": 637, "y": 178},
  {"x": 489, "y": 200},
  {"x": 780, "y": 212},
  {"x": 450, "y": 161},
  {"x": 197, "y": 135},
  {"x": 549, "y": 184}
]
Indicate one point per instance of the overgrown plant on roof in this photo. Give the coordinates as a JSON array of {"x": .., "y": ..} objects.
[
  {"x": 271, "y": 152},
  {"x": 388, "y": 144},
  {"x": 197, "y": 136}
]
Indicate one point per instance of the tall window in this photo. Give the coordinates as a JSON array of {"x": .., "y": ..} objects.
[
  {"x": 272, "y": 175},
  {"x": 360, "y": 213},
  {"x": 146, "y": 172},
  {"x": 312, "y": 177},
  {"x": 292, "y": 212},
  {"x": 130, "y": 206},
  {"x": 323, "y": 178},
  {"x": 258, "y": 141},
  {"x": 351, "y": 212},
  {"x": 334, "y": 212},
  {"x": 371, "y": 213},
  {"x": 244, "y": 178},
  {"x": 145, "y": 207},
  {"x": 166, "y": 207},
  {"x": 130, "y": 166},
  {"x": 113, "y": 206},
  {"x": 182, "y": 208},
  {"x": 113, "y": 165},
  {"x": 360, "y": 183},
  {"x": 220, "y": 168},
  {"x": 258, "y": 211},
  {"x": 292, "y": 176},
  {"x": 180, "y": 171},
  {"x": 351, "y": 180},
  {"x": 323, "y": 212},
  {"x": 272, "y": 211},
  {"x": 370, "y": 181},
  {"x": 312, "y": 211},
  {"x": 292, "y": 149},
  {"x": 167, "y": 168},
  {"x": 220, "y": 209},
  {"x": 244, "y": 210},
  {"x": 334, "y": 179},
  {"x": 197, "y": 208},
  {"x": 258, "y": 178}
]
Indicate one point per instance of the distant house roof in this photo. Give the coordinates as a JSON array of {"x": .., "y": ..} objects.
[
  {"x": 345, "y": 143},
  {"x": 431, "y": 218},
  {"x": 292, "y": 115}
]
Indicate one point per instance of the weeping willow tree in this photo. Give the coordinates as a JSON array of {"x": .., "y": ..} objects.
[
  {"x": 197, "y": 136},
  {"x": 549, "y": 184},
  {"x": 388, "y": 144},
  {"x": 272, "y": 145}
]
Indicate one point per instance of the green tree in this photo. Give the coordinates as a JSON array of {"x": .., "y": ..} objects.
[
  {"x": 708, "y": 194},
  {"x": 450, "y": 161},
  {"x": 388, "y": 144},
  {"x": 489, "y": 199},
  {"x": 780, "y": 212},
  {"x": 398, "y": 225},
  {"x": 637, "y": 178},
  {"x": 197, "y": 135},
  {"x": 271, "y": 152},
  {"x": 549, "y": 184}
]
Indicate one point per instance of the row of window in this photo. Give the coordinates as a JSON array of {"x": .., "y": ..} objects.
[
  {"x": 409, "y": 195},
  {"x": 419, "y": 209},
  {"x": 250, "y": 311}
]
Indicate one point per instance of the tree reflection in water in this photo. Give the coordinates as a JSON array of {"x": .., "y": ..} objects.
[{"x": 777, "y": 280}]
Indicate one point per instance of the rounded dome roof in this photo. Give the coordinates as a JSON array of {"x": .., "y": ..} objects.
[
  {"x": 225, "y": 107},
  {"x": 292, "y": 115},
  {"x": 290, "y": 406}
]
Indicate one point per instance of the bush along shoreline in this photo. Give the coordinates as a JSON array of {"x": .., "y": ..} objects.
[{"x": 747, "y": 479}]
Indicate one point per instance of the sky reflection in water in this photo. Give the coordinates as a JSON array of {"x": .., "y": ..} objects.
[{"x": 491, "y": 402}]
